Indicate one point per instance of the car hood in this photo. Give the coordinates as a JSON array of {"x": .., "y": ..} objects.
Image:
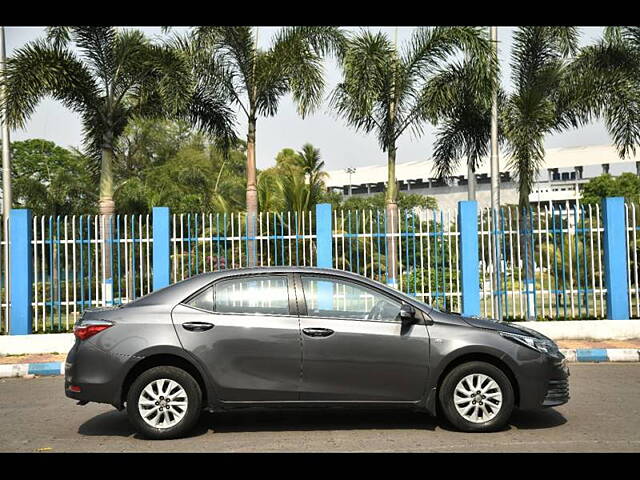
[{"x": 490, "y": 324}]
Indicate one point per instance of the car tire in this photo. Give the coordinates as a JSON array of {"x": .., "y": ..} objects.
[
  {"x": 154, "y": 390},
  {"x": 470, "y": 411}
]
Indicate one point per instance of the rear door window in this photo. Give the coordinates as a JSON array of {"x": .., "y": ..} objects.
[{"x": 258, "y": 295}]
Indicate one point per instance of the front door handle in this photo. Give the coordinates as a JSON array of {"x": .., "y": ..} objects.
[
  {"x": 317, "y": 332},
  {"x": 197, "y": 326}
]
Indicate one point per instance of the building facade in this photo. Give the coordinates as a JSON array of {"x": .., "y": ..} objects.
[{"x": 559, "y": 180}]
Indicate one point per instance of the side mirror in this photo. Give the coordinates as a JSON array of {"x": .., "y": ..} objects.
[{"x": 407, "y": 314}]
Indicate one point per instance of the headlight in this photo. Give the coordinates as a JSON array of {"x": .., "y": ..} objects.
[{"x": 539, "y": 344}]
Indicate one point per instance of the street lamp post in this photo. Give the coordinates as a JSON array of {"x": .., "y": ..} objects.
[
  {"x": 495, "y": 186},
  {"x": 6, "y": 165},
  {"x": 6, "y": 152},
  {"x": 350, "y": 171}
]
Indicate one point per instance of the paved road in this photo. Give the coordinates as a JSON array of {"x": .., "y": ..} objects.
[{"x": 603, "y": 415}]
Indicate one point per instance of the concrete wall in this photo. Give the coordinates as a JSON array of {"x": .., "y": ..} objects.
[
  {"x": 36, "y": 343},
  {"x": 587, "y": 329},
  {"x": 448, "y": 197}
]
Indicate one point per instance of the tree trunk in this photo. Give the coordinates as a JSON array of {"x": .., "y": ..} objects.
[
  {"x": 527, "y": 253},
  {"x": 107, "y": 208},
  {"x": 391, "y": 207},
  {"x": 471, "y": 185},
  {"x": 252, "y": 193}
]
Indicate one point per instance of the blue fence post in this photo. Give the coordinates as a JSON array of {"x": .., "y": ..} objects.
[
  {"x": 469, "y": 263},
  {"x": 324, "y": 244},
  {"x": 161, "y": 242},
  {"x": 20, "y": 271},
  {"x": 615, "y": 258},
  {"x": 324, "y": 258}
]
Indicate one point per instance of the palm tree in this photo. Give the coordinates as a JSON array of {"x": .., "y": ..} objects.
[
  {"x": 540, "y": 60},
  {"x": 312, "y": 167},
  {"x": 295, "y": 192},
  {"x": 309, "y": 161},
  {"x": 605, "y": 83},
  {"x": 464, "y": 123},
  {"x": 537, "y": 106},
  {"x": 389, "y": 92},
  {"x": 115, "y": 76},
  {"x": 255, "y": 79},
  {"x": 558, "y": 87}
]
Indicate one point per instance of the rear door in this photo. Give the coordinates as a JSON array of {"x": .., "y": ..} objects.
[
  {"x": 243, "y": 330},
  {"x": 354, "y": 347}
]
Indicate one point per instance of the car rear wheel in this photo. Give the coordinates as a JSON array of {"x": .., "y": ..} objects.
[
  {"x": 164, "y": 402},
  {"x": 477, "y": 397}
]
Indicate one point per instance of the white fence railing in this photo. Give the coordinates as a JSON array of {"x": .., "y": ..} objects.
[
  {"x": 4, "y": 276},
  {"x": 69, "y": 259},
  {"x": 633, "y": 249},
  {"x": 426, "y": 248},
  {"x": 208, "y": 242},
  {"x": 564, "y": 248}
]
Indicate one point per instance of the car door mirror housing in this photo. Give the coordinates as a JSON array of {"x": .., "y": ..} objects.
[{"x": 407, "y": 314}]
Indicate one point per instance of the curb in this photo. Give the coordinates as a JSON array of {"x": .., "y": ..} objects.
[
  {"x": 41, "y": 369},
  {"x": 601, "y": 354},
  {"x": 597, "y": 355}
]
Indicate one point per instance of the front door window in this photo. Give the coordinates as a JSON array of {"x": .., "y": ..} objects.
[{"x": 334, "y": 298}]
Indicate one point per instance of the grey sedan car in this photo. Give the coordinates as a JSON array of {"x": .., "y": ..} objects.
[{"x": 304, "y": 337}]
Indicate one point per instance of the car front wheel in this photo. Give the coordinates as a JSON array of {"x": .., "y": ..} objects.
[
  {"x": 164, "y": 402},
  {"x": 477, "y": 397}
]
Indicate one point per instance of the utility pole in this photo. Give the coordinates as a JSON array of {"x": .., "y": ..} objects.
[
  {"x": 495, "y": 187},
  {"x": 6, "y": 152}
]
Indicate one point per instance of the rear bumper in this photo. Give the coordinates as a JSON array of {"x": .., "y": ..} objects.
[{"x": 94, "y": 372}]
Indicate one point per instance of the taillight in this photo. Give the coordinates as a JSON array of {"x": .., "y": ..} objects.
[{"x": 89, "y": 328}]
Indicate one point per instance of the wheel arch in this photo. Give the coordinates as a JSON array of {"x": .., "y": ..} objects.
[
  {"x": 498, "y": 361},
  {"x": 171, "y": 358}
]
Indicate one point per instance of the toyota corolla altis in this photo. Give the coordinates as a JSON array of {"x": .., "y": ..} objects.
[{"x": 304, "y": 337}]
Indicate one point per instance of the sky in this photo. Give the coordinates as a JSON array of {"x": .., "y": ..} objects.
[{"x": 340, "y": 146}]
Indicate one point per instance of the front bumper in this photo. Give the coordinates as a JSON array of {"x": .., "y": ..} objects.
[
  {"x": 558, "y": 386},
  {"x": 543, "y": 381}
]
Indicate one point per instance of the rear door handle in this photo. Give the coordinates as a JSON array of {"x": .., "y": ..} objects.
[
  {"x": 317, "y": 332},
  {"x": 197, "y": 326}
]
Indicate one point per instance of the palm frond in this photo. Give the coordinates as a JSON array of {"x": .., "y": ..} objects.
[
  {"x": 97, "y": 45},
  {"x": 37, "y": 70},
  {"x": 366, "y": 77},
  {"x": 59, "y": 37},
  {"x": 602, "y": 82},
  {"x": 429, "y": 47}
]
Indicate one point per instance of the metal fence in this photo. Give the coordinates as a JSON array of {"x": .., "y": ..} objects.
[
  {"x": 69, "y": 259},
  {"x": 208, "y": 242},
  {"x": 551, "y": 259},
  {"x": 632, "y": 212},
  {"x": 563, "y": 246},
  {"x": 4, "y": 278},
  {"x": 427, "y": 251}
]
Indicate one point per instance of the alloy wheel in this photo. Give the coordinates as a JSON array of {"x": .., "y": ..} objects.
[
  {"x": 477, "y": 398},
  {"x": 163, "y": 403}
]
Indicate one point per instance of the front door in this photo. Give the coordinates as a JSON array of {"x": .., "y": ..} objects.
[
  {"x": 354, "y": 345},
  {"x": 242, "y": 330}
]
